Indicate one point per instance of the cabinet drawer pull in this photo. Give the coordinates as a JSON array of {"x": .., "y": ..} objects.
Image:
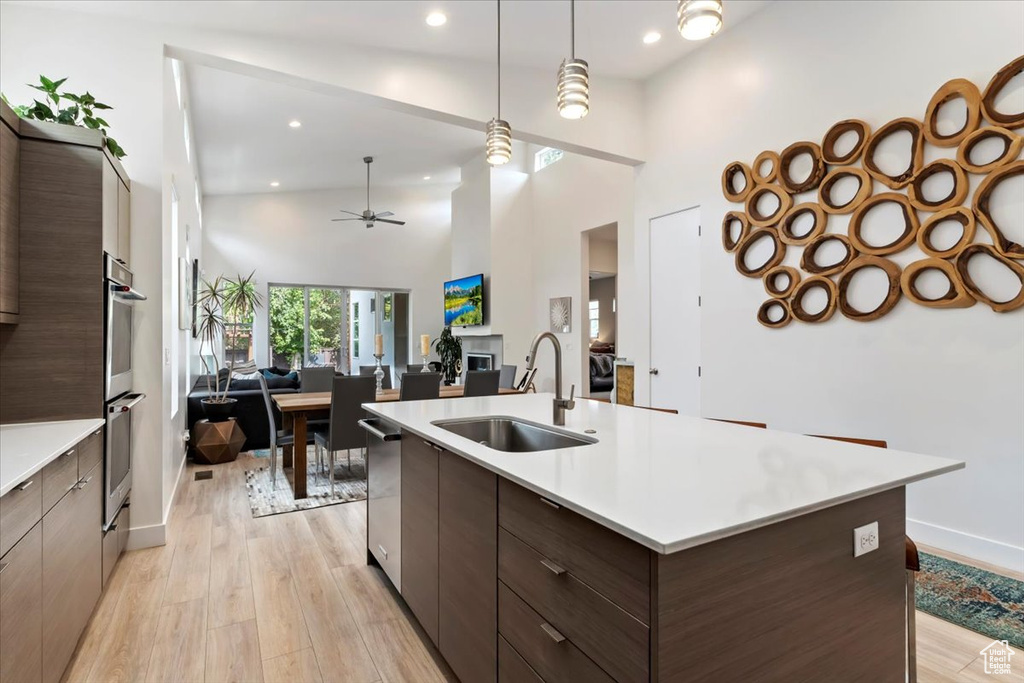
[
  {"x": 97, "y": 432},
  {"x": 383, "y": 550},
  {"x": 550, "y": 503},
  {"x": 3, "y": 566},
  {"x": 553, "y": 632},
  {"x": 83, "y": 483},
  {"x": 554, "y": 568},
  {"x": 64, "y": 455},
  {"x": 24, "y": 485}
]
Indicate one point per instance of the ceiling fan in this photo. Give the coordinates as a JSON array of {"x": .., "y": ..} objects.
[{"x": 369, "y": 217}]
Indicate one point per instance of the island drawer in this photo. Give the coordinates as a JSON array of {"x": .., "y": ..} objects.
[
  {"x": 610, "y": 563},
  {"x": 545, "y": 649},
  {"x": 20, "y": 509},
  {"x": 512, "y": 668},
  {"x": 59, "y": 476},
  {"x": 90, "y": 452},
  {"x": 614, "y": 639}
]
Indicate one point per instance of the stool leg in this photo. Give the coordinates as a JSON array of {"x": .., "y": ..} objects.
[
  {"x": 348, "y": 452},
  {"x": 911, "y": 629},
  {"x": 332, "y": 474},
  {"x": 273, "y": 468}
]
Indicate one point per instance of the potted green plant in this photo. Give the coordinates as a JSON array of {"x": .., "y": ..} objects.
[
  {"x": 81, "y": 111},
  {"x": 221, "y": 304},
  {"x": 449, "y": 350}
]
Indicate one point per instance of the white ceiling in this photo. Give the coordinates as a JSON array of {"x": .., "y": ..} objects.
[
  {"x": 244, "y": 143},
  {"x": 534, "y": 32}
]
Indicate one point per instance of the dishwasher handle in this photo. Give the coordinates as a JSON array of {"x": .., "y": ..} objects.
[{"x": 370, "y": 425}]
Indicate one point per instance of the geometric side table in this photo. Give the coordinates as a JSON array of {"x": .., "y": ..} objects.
[{"x": 217, "y": 442}]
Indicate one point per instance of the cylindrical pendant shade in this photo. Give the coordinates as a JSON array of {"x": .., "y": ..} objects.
[
  {"x": 573, "y": 89},
  {"x": 699, "y": 19},
  {"x": 499, "y": 142}
]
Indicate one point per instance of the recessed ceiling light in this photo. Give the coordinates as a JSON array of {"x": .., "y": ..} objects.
[
  {"x": 436, "y": 19},
  {"x": 295, "y": 124},
  {"x": 274, "y": 184},
  {"x": 426, "y": 177},
  {"x": 651, "y": 37}
]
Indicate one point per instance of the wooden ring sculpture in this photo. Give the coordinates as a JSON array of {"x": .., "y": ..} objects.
[
  {"x": 958, "y": 87},
  {"x": 729, "y": 173},
  {"x": 786, "y": 224},
  {"x": 983, "y": 194},
  {"x": 955, "y": 297},
  {"x": 808, "y": 263},
  {"x": 817, "y": 167},
  {"x": 959, "y": 192},
  {"x": 910, "y": 225},
  {"x": 895, "y": 182},
  {"x": 765, "y": 157},
  {"x": 892, "y": 297},
  {"x": 962, "y": 215},
  {"x": 992, "y": 90},
  {"x": 771, "y": 284},
  {"x": 972, "y": 288},
  {"x": 759, "y": 220},
  {"x": 864, "y": 187},
  {"x": 828, "y": 143},
  {"x": 778, "y": 254},
  {"x": 728, "y": 243},
  {"x": 1011, "y": 148},
  {"x": 796, "y": 305},
  {"x": 767, "y": 306}
]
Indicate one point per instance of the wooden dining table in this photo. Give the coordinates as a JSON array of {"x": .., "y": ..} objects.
[{"x": 298, "y": 408}]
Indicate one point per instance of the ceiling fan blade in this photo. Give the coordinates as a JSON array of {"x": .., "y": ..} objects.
[
  {"x": 335, "y": 220},
  {"x": 352, "y": 213},
  {"x": 384, "y": 214},
  {"x": 385, "y": 220}
]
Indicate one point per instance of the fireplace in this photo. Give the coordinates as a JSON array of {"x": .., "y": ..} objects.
[{"x": 479, "y": 361}]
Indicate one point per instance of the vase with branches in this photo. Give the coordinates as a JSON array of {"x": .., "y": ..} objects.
[
  {"x": 222, "y": 304},
  {"x": 449, "y": 350}
]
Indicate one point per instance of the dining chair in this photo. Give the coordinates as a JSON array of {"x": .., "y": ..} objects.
[
  {"x": 370, "y": 369},
  {"x": 277, "y": 437},
  {"x": 759, "y": 425},
  {"x": 508, "y": 377},
  {"x": 482, "y": 383},
  {"x": 316, "y": 379},
  {"x": 348, "y": 394},
  {"x": 414, "y": 367},
  {"x": 418, "y": 386},
  {"x": 913, "y": 565}
]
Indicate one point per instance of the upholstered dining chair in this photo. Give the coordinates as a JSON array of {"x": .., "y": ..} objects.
[
  {"x": 277, "y": 437},
  {"x": 348, "y": 394},
  {"x": 419, "y": 386},
  {"x": 414, "y": 367},
  {"x": 482, "y": 383},
  {"x": 370, "y": 369},
  {"x": 913, "y": 565},
  {"x": 507, "y": 379},
  {"x": 315, "y": 380}
]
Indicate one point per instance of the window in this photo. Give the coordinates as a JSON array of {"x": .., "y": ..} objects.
[
  {"x": 355, "y": 329},
  {"x": 595, "y": 319},
  {"x": 188, "y": 138},
  {"x": 176, "y": 70},
  {"x": 546, "y": 157}
]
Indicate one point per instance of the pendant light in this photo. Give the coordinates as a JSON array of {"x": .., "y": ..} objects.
[
  {"x": 499, "y": 133},
  {"x": 573, "y": 78},
  {"x": 699, "y": 19}
]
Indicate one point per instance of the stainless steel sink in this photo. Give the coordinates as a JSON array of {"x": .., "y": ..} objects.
[{"x": 512, "y": 435}]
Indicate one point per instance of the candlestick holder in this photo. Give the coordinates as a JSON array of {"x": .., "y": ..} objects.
[
  {"x": 379, "y": 373},
  {"x": 426, "y": 366}
]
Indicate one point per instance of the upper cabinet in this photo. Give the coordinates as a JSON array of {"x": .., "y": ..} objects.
[
  {"x": 10, "y": 149},
  {"x": 116, "y": 213}
]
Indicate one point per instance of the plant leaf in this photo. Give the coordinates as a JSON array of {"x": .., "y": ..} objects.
[
  {"x": 47, "y": 83},
  {"x": 90, "y": 122},
  {"x": 100, "y": 105},
  {"x": 55, "y": 97},
  {"x": 115, "y": 149},
  {"x": 57, "y": 84},
  {"x": 71, "y": 96},
  {"x": 100, "y": 121},
  {"x": 68, "y": 116}
]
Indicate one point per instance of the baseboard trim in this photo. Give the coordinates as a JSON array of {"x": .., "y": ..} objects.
[
  {"x": 976, "y": 547},
  {"x": 147, "y": 537}
]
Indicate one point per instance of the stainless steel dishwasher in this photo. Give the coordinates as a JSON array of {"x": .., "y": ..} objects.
[{"x": 384, "y": 496}]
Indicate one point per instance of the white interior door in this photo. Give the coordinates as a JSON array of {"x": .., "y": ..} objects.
[{"x": 675, "y": 312}]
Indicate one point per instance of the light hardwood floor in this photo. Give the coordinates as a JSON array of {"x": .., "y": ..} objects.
[{"x": 290, "y": 599}]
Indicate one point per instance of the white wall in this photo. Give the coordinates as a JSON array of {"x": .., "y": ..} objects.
[
  {"x": 288, "y": 238},
  {"x": 943, "y": 382}
]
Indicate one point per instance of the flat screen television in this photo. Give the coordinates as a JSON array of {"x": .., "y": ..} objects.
[{"x": 464, "y": 301}]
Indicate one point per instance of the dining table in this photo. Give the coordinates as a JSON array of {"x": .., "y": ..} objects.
[{"x": 296, "y": 409}]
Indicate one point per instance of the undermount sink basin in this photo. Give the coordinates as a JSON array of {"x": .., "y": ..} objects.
[{"x": 512, "y": 435}]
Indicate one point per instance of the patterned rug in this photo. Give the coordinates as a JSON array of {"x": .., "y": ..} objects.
[
  {"x": 349, "y": 485},
  {"x": 982, "y": 601}
]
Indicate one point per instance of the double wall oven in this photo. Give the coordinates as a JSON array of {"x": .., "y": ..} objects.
[{"x": 120, "y": 399}]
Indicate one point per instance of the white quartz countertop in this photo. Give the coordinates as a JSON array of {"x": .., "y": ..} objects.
[
  {"x": 25, "y": 449},
  {"x": 666, "y": 481}
]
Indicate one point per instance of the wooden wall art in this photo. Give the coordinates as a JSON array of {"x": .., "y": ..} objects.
[
  {"x": 772, "y": 177},
  {"x": 960, "y": 214},
  {"x": 892, "y": 296},
  {"x": 955, "y": 197},
  {"x": 1011, "y": 148},
  {"x": 951, "y": 90},
  {"x": 992, "y": 90}
]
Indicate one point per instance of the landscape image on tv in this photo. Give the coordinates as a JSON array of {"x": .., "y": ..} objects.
[{"x": 464, "y": 301}]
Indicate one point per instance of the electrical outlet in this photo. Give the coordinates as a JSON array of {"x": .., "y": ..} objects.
[{"x": 865, "y": 539}]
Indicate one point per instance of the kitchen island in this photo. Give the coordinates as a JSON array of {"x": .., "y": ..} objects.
[{"x": 668, "y": 549}]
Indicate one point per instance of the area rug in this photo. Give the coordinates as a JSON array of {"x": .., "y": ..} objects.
[
  {"x": 349, "y": 485},
  {"x": 990, "y": 604}
]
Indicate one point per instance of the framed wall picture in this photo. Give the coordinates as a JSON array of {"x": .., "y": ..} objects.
[{"x": 561, "y": 314}]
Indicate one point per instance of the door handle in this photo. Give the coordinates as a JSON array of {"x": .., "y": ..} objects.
[
  {"x": 553, "y": 632},
  {"x": 654, "y": 371},
  {"x": 552, "y": 567}
]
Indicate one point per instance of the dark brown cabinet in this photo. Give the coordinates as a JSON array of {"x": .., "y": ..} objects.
[
  {"x": 468, "y": 554},
  {"x": 419, "y": 531},
  {"x": 21, "y": 613},
  {"x": 10, "y": 155}
]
